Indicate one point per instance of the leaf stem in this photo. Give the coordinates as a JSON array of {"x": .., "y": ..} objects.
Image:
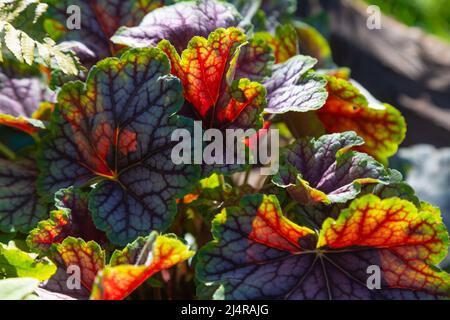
[
  {"x": 289, "y": 206},
  {"x": 7, "y": 152},
  {"x": 247, "y": 176}
]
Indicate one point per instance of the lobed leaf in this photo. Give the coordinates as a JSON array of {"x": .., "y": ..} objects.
[
  {"x": 128, "y": 270},
  {"x": 380, "y": 125},
  {"x": 17, "y": 263},
  {"x": 72, "y": 218},
  {"x": 28, "y": 50},
  {"x": 87, "y": 257},
  {"x": 206, "y": 69},
  {"x": 325, "y": 171},
  {"x": 292, "y": 88},
  {"x": 99, "y": 20},
  {"x": 258, "y": 254},
  {"x": 178, "y": 24},
  {"x": 115, "y": 130}
]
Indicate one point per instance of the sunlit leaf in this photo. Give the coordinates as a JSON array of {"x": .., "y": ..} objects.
[
  {"x": 381, "y": 126},
  {"x": 115, "y": 130},
  {"x": 259, "y": 254},
  {"x": 136, "y": 263}
]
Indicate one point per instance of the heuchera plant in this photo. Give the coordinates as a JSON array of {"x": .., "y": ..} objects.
[{"x": 93, "y": 207}]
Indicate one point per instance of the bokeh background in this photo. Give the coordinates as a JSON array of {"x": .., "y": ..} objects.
[{"x": 407, "y": 64}]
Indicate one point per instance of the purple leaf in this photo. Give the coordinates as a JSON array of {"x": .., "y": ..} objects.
[
  {"x": 325, "y": 171},
  {"x": 179, "y": 23},
  {"x": 290, "y": 88}
]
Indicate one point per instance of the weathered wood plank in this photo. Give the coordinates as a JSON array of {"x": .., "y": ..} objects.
[{"x": 402, "y": 65}]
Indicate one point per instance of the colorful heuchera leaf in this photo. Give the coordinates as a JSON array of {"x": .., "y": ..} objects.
[
  {"x": 284, "y": 43},
  {"x": 380, "y": 125},
  {"x": 17, "y": 263},
  {"x": 19, "y": 100},
  {"x": 206, "y": 69},
  {"x": 179, "y": 23},
  {"x": 325, "y": 170},
  {"x": 293, "y": 88},
  {"x": 99, "y": 20},
  {"x": 316, "y": 214},
  {"x": 80, "y": 258},
  {"x": 136, "y": 263},
  {"x": 72, "y": 218},
  {"x": 115, "y": 130},
  {"x": 20, "y": 208},
  {"x": 259, "y": 254}
]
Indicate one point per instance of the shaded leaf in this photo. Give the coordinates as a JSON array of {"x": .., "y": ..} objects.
[
  {"x": 19, "y": 100},
  {"x": 273, "y": 11},
  {"x": 72, "y": 218},
  {"x": 20, "y": 208},
  {"x": 325, "y": 170},
  {"x": 312, "y": 43}
]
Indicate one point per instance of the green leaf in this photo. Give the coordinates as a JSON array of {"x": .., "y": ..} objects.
[
  {"x": 17, "y": 263},
  {"x": 26, "y": 48}
]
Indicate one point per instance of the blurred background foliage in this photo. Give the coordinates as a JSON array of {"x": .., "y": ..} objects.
[{"x": 431, "y": 15}]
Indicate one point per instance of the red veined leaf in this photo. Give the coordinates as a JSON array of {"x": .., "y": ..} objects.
[
  {"x": 72, "y": 218},
  {"x": 284, "y": 43},
  {"x": 179, "y": 23},
  {"x": 136, "y": 263},
  {"x": 114, "y": 131},
  {"x": 85, "y": 259},
  {"x": 206, "y": 69},
  {"x": 259, "y": 254},
  {"x": 316, "y": 214},
  {"x": 380, "y": 125}
]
